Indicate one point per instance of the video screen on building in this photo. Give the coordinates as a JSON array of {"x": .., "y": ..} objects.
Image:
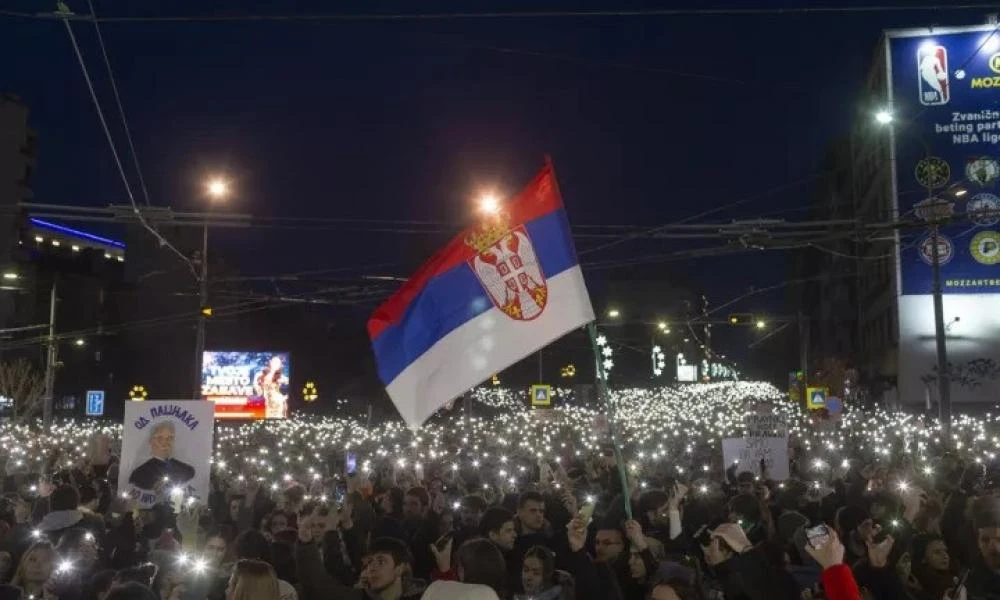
[{"x": 246, "y": 385}]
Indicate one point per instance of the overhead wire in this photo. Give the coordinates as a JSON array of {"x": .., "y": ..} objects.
[
  {"x": 708, "y": 212},
  {"x": 118, "y": 102},
  {"x": 114, "y": 150},
  {"x": 540, "y": 14}
]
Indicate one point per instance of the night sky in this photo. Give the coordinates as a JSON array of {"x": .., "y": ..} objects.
[{"x": 648, "y": 119}]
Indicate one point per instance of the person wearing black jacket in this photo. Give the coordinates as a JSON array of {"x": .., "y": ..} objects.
[
  {"x": 984, "y": 580},
  {"x": 593, "y": 580},
  {"x": 497, "y": 525}
]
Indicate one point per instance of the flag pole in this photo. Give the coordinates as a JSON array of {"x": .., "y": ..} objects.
[
  {"x": 602, "y": 388},
  {"x": 602, "y": 384}
]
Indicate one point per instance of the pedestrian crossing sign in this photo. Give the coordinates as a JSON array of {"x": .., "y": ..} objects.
[{"x": 816, "y": 398}]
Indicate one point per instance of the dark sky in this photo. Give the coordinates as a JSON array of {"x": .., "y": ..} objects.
[{"x": 649, "y": 119}]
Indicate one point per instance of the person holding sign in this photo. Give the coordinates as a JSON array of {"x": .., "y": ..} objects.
[{"x": 162, "y": 465}]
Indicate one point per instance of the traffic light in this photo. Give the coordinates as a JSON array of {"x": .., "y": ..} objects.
[{"x": 741, "y": 319}]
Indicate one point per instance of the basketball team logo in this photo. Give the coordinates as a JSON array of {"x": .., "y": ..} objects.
[
  {"x": 985, "y": 247},
  {"x": 984, "y": 209},
  {"x": 932, "y": 75},
  {"x": 945, "y": 249}
]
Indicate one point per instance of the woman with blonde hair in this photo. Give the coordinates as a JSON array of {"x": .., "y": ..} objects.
[
  {"x": 35, "y": 568},
  {"x": 253, "y": 580}
]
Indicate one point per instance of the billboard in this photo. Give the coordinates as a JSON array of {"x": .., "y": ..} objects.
[
  {"x": 944, "y": 91},
  {"x": 246, "y": 385}
]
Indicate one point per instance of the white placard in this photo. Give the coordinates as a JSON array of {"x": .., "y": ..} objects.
[
  {"x": 166, "y": 451},
  {"x": 749, "y": 451}
]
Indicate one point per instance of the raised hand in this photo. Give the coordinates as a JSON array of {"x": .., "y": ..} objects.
[
  {"x": 442, "y": 556},
  {"x": 576, "y": 534},
  {"x": 878, "y": 554},
  {"x": 830, "y": 554},
  {"x": 633, "y": 530}
]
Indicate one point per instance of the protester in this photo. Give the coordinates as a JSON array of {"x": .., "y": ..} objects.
[{"x": 511, "y": 509}]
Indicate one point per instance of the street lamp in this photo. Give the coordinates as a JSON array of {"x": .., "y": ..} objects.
[
  {"x": 883, "y": 117},
  {"x": 489, "y": 204},
  {"x": 80, "y": 342},
  {"x": 217, "y": 188},
  {"x": 936, "y": 211},
  {"x": 614, "y": 313},
  {"x": 10, "y": 276},
  {"x": 761, "y": 324}
]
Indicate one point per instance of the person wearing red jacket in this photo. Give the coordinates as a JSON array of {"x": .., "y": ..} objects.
[{"x": 838, "y": 580}]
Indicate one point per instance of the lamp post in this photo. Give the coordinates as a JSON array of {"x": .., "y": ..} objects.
[
  {"x": 935, "y": 211},
  {"x": 217, "y": 189}
]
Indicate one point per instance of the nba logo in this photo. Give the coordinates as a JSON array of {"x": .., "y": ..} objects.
[{"x": 932, "y": 75}]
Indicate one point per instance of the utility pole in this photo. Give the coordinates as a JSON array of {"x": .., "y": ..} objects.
[
  {"x": 50, "y": 363},
  {"x": 199, "y": 344},
  {"x": 944, "y": 377},
  {"x": 804, "y": 350}
]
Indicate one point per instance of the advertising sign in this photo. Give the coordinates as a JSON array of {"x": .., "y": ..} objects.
[
  {"x": 166, "y": 451},
  {"x": 246, "y": 385},
  {"x": 944, "y": 92}
]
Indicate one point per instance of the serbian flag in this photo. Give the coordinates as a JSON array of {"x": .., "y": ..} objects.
[{"x": 500, "y": 290}]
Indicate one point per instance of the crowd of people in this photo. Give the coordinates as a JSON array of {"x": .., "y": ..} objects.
[{"x": 510, "y": 506}]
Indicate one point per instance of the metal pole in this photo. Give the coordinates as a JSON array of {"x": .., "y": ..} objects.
[
  {"x": 541, "y": 376},
  {"x": 804, "y": 352},
  {"x": 50, "y": 363},
  {"x": 944, "y": 377},
  {"x": 602, "y": 388},
  {"x": 199, "y": 345}
]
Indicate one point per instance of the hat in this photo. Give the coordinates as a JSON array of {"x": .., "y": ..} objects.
[
  {"x": 734, "y": 537},
  {"x": 787, "y": 523}
]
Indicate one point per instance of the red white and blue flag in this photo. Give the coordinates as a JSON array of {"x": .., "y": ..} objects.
[{"x": 499, "y": 291}]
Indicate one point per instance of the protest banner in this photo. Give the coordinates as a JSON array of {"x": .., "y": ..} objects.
[
  {"x": 166, "y": 451},
  {"x": 766, "y": 438}
]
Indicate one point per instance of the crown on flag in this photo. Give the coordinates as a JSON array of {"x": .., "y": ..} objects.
[{"x": 489, "y": 232}]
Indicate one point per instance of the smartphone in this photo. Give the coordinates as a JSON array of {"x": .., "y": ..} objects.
[
  {"x": 586, "y": 513},
  {"x": 351, "y": 463},
  {"x": 957, "y": 590},
  {"x": 818, "y": 536},
  {"x": 444, "y": 539},
  {"x": 703, "y": 536}
]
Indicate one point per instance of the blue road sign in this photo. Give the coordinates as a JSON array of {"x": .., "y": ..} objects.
[{"x": 95, "y": 403}]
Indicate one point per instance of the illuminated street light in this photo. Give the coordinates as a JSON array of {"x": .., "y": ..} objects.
[
  {"x": 662, "y": 325},
  {"x": 883, "y": 117},
  {"x": 489, "y": 204},
  {"x": 217, "y": 187},
  {"x": 761, "y": 324},
  {"x": 10, "y": 276},
  {"x": 614, "y": 313},
  {"x": 79, "y": 342}
]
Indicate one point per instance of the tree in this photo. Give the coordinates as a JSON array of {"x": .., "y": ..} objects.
[
  {"x": 969, "y": 375},
  {"x": 22, "y": 384}
]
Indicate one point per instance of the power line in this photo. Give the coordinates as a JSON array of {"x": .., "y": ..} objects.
[
  {"x": 114, "y": 150},
  {"x": 544, "y": 14},
  {"x": 118, "y": 103},
  {"x": 710, "y": 211}
]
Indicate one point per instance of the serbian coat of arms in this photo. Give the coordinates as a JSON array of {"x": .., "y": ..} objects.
[{"x": 508, "y": 269}]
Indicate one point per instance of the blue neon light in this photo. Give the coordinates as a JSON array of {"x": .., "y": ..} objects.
[{"x": 76, "y": 232}]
